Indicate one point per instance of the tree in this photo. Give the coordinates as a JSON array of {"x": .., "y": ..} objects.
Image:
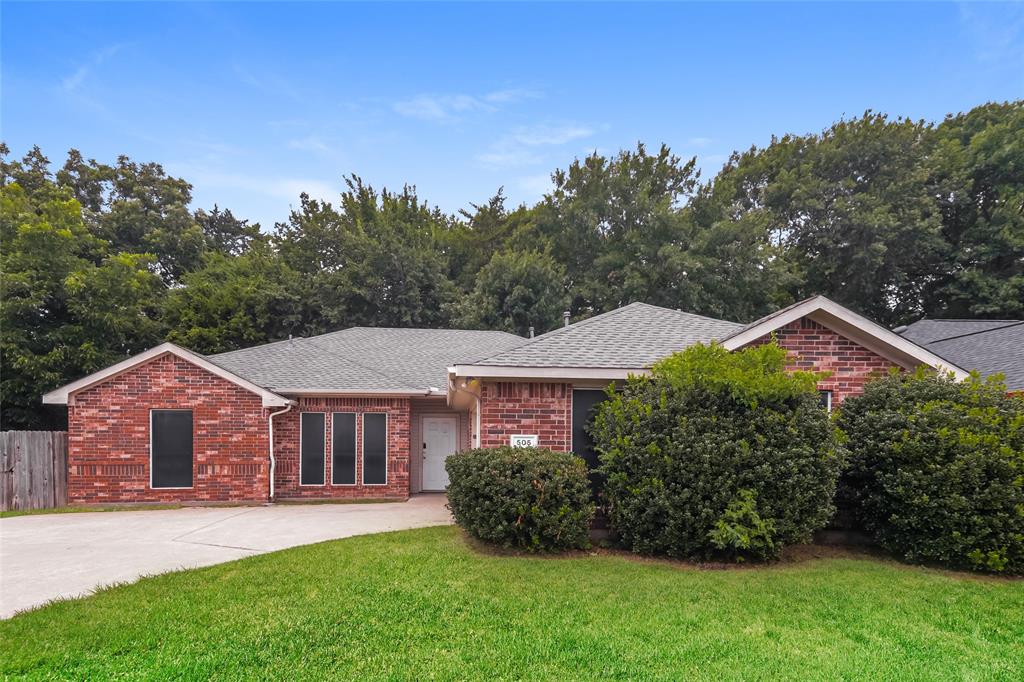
[
  {"x": 375, "y": 260},
  {"x": 608, "y": 221},
  {"x": 225, "y": 233},
  {"x": 483, "y": 232},
  {"x": 68, "y": 305},
  {"x": 981, "y": 171},
  {"x": 516, "y": 290},
  {"x": 138, "y": 208},
  {"x": 853, "y": 210},
  {"x": 236, "y": 301}
]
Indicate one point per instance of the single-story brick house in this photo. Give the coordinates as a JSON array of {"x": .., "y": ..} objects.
[{"x": 373, "y": 413}]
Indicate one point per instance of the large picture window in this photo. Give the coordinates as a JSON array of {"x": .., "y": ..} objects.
[
  {"x": 343, "y": 448},
  {"x": 375, "y": 448},
  {"x": 170, "y": 448},
  {"x": 311, "y": 448}
]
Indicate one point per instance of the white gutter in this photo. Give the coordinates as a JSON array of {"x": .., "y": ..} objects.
[{"x": 273, "y": 462}]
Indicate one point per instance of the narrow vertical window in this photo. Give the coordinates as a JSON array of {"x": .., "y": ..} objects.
[
  {"x": 375, "y": 448},
  {"x": 311, "y": 448},
  {"x": 343, "y": 448},
  {"x": 825, "y": 400},
  {"x": 170, "y": 448}
]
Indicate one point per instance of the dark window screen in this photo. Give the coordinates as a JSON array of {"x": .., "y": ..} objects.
[
  {"x": 343, "y": 449},
  {"x": 825, "y": 400},
  {"x": 171, "y": 460},
  {"x": 311, "y": 468},
  {"x": 375, "y": 449},
  {"x": 583, "y": 405}
]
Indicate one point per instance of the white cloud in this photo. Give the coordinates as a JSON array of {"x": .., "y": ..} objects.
[
  {"x": 310, "y": 143},
  {"x": 535, "y": 186},
  {"x": 699, "y": 142},
  {"x": 997, "y": 31},
  {"x": 442, "y": 108},
  {"x": 522, "y": 147},
  {"x": 72, "y": 82}
]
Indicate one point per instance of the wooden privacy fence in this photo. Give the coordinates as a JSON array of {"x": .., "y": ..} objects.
[{"x": 33, "y": 469}]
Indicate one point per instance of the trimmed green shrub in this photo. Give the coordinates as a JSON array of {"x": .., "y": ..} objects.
[
  {"x": 717, "y": 455},
  {"x": 524, "y": 498},
  {"x": 936, "y": 469}
]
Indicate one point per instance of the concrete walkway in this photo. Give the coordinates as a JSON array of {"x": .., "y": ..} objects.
[{"x": 67, "y": 555}]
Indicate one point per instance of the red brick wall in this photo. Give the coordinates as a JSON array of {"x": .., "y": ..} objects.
[
  {"x": 509, "y": 408},
  {"x": 286, "y": 449},
  {"x": 818, "y": 348},
  {"x": 108, "y": 436}
]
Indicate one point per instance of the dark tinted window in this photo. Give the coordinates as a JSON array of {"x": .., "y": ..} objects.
[
  {"x": 343, "y": 449},
  {"x": 825, "y": 400},
  {"x": 171, "y": 442},
  {"x": 583, "y": 407},
  {"x": 311, "y": 467},
  {"x": 375, "y": 448}
]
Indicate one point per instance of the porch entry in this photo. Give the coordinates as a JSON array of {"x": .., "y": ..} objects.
[{"x": 439, "y": 441}]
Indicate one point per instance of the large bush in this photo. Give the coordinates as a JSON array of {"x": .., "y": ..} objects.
[
  {"x": 525, "y": 498},
  {"x": 717, "y": 455},
  {"x": 936, "y": 469}
]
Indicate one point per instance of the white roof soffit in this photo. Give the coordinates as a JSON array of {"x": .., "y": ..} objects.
[
  {"x": 59, "y": 396},
  {"x": 858, "y": 329},
  {"x": 560, "y": 373}
]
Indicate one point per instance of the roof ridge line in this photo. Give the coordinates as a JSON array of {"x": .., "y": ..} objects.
[{"x": 980, "y": 331}]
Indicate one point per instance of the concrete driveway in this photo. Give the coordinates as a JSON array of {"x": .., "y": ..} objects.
[{"x": 67, "y": 555}]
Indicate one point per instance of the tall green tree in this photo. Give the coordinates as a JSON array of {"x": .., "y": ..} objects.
[
  {"x": 237, "y": 301},
  {"x": 608, "y": 220},
  {"x": 516, "y": 290},
  {"x": 68, "y": 305},
  {"x": 980, "y": 170},
  {"x": 376, "y": 259},
  {"x": 138, "y": 208}
]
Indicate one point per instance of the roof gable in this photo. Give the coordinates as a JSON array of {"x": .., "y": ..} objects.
[
  {"x": 59, "y": 396},
  {"x": 859, "y": 329}
]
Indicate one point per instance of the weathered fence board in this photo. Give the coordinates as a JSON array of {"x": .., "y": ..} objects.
[{"x": 33, "y": 469}]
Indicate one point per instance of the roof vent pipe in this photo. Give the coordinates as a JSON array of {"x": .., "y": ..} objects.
[
  {"x": 565, "y": 318},
  {"x": 531, "y": 331}
]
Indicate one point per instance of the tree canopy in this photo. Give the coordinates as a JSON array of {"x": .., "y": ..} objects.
[{"x": 894, "y": 218}]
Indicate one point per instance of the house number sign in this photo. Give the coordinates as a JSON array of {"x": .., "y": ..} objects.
[{"x": 521, "y": 441}]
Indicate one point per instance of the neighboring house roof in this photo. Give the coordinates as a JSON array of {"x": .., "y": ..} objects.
[
  {"x": 59, "y": 396},
  {"x": 851, "y": 325},
  {"x": 610, "y": 345},
  {"x": 364, "y": 360},
  {"x": 988, "y": 346}
]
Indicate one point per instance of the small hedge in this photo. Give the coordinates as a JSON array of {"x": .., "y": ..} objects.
[
  {"x": 717, "y": 455},
  {"x": 525, "y": 498},
  {"x": 936, "y": 470}
]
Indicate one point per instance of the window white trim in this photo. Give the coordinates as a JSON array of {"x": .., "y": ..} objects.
[
  {"x": 60, "y": 396},
  {"x": 362, "y": 447},
  {"x": 172, "y": 487},
  {"x": 324, "y": 483},
  {"x": 355, "y": 437},
  {"x": 828, "y": 398}
]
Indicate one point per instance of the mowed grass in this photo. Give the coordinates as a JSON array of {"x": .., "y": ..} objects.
[{"x": 424, "y": 604}]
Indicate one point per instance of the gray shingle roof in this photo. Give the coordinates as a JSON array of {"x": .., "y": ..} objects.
[
  {"x": 632, "y": 337},
  {"x": 364, "y": 359},
  {"x": 988, "y": 346}
]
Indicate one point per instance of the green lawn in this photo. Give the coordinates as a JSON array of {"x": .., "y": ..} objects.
[{"x": 422, "y": 604}]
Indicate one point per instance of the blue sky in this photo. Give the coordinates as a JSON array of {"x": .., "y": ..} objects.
[{"x": 254, "y": 103}]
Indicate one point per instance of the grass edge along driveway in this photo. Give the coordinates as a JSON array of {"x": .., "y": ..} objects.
[{"x": 424, "y": 604}]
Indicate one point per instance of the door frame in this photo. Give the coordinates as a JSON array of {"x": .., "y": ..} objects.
[{"x": 454, "y": 419}]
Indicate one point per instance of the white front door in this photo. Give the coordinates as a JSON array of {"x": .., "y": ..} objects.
[{"x": 438, "y": 442}]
